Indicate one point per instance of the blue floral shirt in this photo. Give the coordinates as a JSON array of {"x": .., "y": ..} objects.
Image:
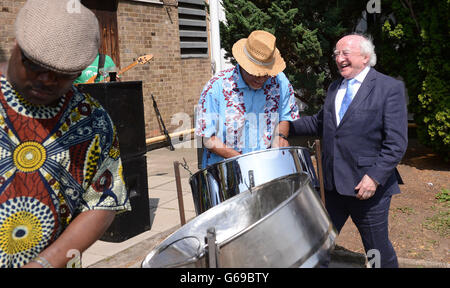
[{"x": 241, "y": 117}]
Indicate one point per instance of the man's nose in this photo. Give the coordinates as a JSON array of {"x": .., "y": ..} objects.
[
  {"x": 339, "y": 58},
  {"x": 47, "y": 77}
]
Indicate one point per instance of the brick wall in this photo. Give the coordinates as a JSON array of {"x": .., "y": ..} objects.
[
  {"x": 143, "y": 28},
  {"x": 175, "y": 83},
  {"x": 8, "y": 12}
]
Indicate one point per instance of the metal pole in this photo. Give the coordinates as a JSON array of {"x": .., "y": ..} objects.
[
  {"x": 215, "y": 34},
  {"x": 213, "y": 260},
  {"x": 176, "y": 166},
  {"x": 319, "y": 169},
  {"x": 166, "y": 133},
  {"x": 162, "y": 138}
]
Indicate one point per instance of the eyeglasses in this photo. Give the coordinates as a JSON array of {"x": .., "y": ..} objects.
[
  {"x": 35, "y": 68},
  {"x": 345, "y": 54}
]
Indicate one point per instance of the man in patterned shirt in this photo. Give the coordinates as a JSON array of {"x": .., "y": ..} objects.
[
  {"x": 249, "y": 107},
  {"x": 60, "y": 168}
]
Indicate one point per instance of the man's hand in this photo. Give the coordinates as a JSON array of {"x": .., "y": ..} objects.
[
  {"x": 32, "y": 264},
  {"x": 81, "y": 233},
  {"x": 283, "y": 129},
  {"x": 279, "y": 142},
  {"x": 216, "y": 146},
  {"x": 366, "y": 188}
]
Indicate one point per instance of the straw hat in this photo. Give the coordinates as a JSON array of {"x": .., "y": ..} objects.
[
  {"x": 258, "y": 54},
  {"x": 57, "y": 38}
]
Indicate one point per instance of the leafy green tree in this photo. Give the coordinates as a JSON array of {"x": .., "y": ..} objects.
[
  {"x": 412, "y": 39},
  {"x": 306, "y": 32}
]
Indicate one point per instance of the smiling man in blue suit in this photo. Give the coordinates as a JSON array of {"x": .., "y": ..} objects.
[{"x": 363, "y": 126}]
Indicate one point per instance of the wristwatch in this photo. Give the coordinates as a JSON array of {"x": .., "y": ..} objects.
[{"x": 282, "y": 136}]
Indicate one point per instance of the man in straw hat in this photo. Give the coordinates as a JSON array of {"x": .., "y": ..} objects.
[
  {"x": 60, "y": 167},
  {"x": 240, "y": 108}
]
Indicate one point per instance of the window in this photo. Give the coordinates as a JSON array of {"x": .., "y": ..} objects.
[{"x": 192, "y": 25}]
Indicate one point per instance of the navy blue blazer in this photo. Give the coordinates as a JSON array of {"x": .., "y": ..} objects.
[{"x": 370, "y": 139}]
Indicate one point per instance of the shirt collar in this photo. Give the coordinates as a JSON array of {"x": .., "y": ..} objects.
[{"x": 360, "y": 77}]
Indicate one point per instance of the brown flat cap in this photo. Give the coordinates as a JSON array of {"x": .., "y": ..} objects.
[{"x": 60, "y": 35}]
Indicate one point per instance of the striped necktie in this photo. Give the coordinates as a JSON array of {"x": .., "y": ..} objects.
[{"x": 347, "y": 98}]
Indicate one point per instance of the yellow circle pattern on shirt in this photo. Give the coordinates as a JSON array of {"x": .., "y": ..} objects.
[
  {"x": 29, "y": 156},
  {"x": 20, "y": 232}
]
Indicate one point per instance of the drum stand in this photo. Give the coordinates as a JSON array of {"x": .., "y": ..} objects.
[
  {"x": 212, "y": 252},
  {"x": 318, "y": 151}
]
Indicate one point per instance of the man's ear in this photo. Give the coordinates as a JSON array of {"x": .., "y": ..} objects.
[
  {"x": 366, "y": 59},
  {"x": 14, "y": 47}
]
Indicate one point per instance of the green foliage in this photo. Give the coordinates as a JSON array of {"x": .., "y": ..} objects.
[
  {"x": 439, "y": 223},
  {"x": 443, "y": 196},
  {"x": 306, "y": 32},
  {"x": 412, "y": 41}
]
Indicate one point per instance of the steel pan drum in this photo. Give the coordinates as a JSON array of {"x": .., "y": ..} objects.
[
  {"x": 278, "y": 224},
  {"x": 223, "y": 180}
]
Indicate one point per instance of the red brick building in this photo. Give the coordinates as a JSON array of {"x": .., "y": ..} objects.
[{"x": 181, "y": 65}]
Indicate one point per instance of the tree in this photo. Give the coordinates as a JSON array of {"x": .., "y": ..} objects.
[
  {"x": 411, "y": 41},
  {"x": 306, "y": 32},
  {"x": 411, "y": 37}
]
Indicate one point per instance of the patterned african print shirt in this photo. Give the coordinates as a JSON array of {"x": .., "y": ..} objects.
[
  {"x": 241, "y": 117},
  {"x": 55, "y": 162}
]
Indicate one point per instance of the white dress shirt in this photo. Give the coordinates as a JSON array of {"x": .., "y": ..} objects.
[{"x": 343, "y": 88}]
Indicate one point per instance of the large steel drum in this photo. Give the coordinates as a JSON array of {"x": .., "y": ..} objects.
[
  {"x": 278, "y": 224},
  {"x": 223, "y": 180}
]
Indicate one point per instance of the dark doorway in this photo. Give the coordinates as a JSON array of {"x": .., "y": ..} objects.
[{"x": 106, "y": 12}]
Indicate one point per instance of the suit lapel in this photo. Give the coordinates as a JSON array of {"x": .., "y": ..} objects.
[
  {"x": 363, "y": 92},
  {"x": 332, "y": 92}
]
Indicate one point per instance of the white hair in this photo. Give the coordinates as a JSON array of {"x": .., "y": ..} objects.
[{"x": 367, "y": 48}]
